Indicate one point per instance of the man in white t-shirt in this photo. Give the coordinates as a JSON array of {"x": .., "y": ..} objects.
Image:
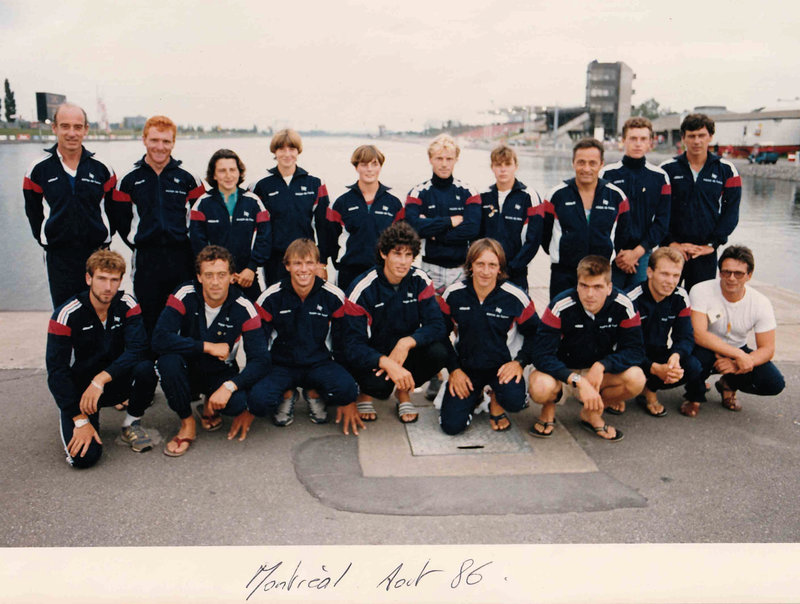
[{"x": 724, "y": 311}]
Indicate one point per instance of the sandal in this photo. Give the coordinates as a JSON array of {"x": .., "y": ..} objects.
[
  {"x": 604, "y": 428},
  {"x": 496, "y": 419},
  {"x": 690, "y": 408},
  {"x": 178, "y": 441},
  {"x": 642, "y": 400},
  {"x": 366, "y": 407},
  {"x": 407, "y": 409},
  {"x": 209, "y": 423},
  {"x": 728, "y": 400},
  {"x": 541, "y": 433}
]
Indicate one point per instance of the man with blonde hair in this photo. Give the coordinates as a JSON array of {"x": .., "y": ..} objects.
[
  {"x": 667, "y": 328},
  {"x": 446, "y": 213},
  {"x": 152, "y": 211}
]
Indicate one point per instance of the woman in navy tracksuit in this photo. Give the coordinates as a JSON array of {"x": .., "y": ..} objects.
[
  {"x": 234, "y": 218},
  {"x": 364, "y": 212},
  {"x": 494, "y": 322}
]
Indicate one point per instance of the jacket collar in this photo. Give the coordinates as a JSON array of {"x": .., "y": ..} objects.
[
  {"x": 298, "y": 171},
  {"x": 85, "y": 153},
  {"x": 172, "y": 163},
  {"x": 635, "y": 163},
  {"x": 382, "y": 188},
  {"x": 517, "y": 186}
]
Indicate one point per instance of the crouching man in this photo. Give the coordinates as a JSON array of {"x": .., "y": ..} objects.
[
  {"x": 96, "y": 349},
  {"x": 724, "y": 311},
  {"x": 299, "y": 313},
  {"x": 666, "y": 315},
  {"x": 196, "y": 340},
  {"x": 402, "y": 331},
  {"x": 590, "y": 338}
]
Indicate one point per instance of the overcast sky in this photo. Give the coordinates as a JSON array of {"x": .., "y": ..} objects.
[{"x": 354, "y": 64}]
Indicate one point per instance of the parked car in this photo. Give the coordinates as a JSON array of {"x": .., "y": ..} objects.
[{"x": 763, "y": 157}]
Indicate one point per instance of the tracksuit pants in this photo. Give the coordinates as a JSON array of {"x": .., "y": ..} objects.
[
  {"x": 137, "y": 388},
  {"x": 66, "y": 272},
  {"x": 180, "y": 378},
  {"x": 456, "y": 413},
  {"x": 423, "y": 362},
  {"x": 158, "y": 270},
  {"x": 334, "y": 384}
]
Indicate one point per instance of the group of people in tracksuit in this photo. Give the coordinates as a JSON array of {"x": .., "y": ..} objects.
[{"x": 460, "y": 319}]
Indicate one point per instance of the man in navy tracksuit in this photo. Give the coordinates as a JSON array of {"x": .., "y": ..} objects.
[
  {"x": 582, "y": 216},
  {"x": 297, "y": 203},
  {"x": 363, "y": 212},
  {"x": 589, "y": 342},
  {"x": 401, "y": 334},
  {"x": 495, "y": 322},
  {"x": 512, "y": 215},
  {"x": 67, "y": 193},
  {"x": 197, "y": 337},
  {"x": 648, "y": 191},
  {"x": 151, "y": 213},
  {"x": 96, "y": 349},
  {"x": 299, "y": 314},
  {"x": 706, "y": 191},
  {"x": 666, "y": 315},
  {"x": 446, "y": 213},
  {"x": 235, "y": 219}
]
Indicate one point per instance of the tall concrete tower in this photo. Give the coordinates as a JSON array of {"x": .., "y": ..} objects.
[{"x": 609, "y": 88}]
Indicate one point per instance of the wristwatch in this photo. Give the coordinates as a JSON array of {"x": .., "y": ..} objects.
[
  {"x": 80, "y": 423},
  {"x": 574, "y": 379},
  {"x": 230, "y": 386}
]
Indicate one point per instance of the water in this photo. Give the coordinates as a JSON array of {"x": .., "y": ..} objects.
[{"x": 769, "y": 221}]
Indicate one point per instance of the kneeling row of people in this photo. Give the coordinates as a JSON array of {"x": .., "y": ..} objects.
[{"x": 388, "y": 332}]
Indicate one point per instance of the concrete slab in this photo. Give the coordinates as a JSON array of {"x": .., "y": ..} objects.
[
  {"x": 339, "y": 483},
  {"x": 384, "y": 450}
]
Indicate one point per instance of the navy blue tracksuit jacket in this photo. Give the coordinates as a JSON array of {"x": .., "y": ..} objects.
[
  {"x": 489, "y": 333},
  {"x": 517, "y": 226},
  {"x": 571, "y": 338}
]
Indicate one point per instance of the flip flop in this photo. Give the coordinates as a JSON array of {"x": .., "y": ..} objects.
[
  {"x": 643, "y": 402},
  {"x": 690, "y": 408},
  {"x": 728, "y": 401},
  {"x": 406, "y": 409},
  {"x": 613, "y": 411},
  {"x": 367, "y": 407},
  {"x": 178, "y": 441},
  {"x": 497, "y": 418},
  {"x": 209, "y": 423},
  {"x": 541, "y": 433},
  {"x": 596, "y": 431}
]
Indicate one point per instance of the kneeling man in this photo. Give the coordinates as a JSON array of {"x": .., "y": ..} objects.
[
  {"x": 591, "y": 340},
  {"x": 666, "y": 315},
  {"x": 96, "y": 357},
  {"x": 197, "y": 337},
  {"x": 724, "y": 311}
]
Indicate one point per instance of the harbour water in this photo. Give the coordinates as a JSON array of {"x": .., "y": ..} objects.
[{"x": 769, "y": 218}]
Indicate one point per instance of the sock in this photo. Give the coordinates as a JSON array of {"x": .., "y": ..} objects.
[{"x": 129, "y": 419}]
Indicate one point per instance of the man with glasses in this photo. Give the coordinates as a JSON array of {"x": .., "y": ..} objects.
[{"x": 724, "y": 311}]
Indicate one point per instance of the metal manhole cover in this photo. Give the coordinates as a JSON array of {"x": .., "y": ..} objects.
[{"x": 427, "y": 438}]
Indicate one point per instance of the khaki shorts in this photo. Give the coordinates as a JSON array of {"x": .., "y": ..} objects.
[{"x": 568, "y": 390}]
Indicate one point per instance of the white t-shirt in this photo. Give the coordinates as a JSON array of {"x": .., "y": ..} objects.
[
  {"x": 732, "y": 321},
  {"x": 501, "y": 198}
]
